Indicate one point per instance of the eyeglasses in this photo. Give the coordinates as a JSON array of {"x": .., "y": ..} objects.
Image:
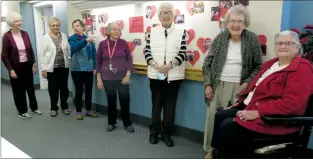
[
  {"x": 286, "y": 43},
  {"x": 236, "y": 21},
  {"x": 163, "y": 13},
  {"x": 116, "y": 30},
  {"x": 55, "y": 25}
]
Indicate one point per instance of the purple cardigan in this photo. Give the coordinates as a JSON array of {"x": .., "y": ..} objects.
[
  {"x": 10, "y": 53},
  {"x": 121, "y": 60}
]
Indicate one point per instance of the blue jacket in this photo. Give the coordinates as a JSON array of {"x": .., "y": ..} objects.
[{"x": 83, "y": 53}]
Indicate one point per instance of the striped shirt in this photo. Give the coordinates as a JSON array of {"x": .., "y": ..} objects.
[{"x": 181, "y": 56}]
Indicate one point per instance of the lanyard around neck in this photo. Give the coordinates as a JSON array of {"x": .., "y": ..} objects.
[{"x": 109, "y": 48}]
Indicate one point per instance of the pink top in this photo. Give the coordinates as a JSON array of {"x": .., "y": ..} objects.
[{"x": 20, "y": 45}]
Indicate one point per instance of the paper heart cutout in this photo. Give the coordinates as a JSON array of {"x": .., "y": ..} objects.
[
  {"x": 262, "y": 39},
  {"x": 148, "y": 29},
  {"x": 308, "y": 26},
  {"x": 102, "y": 31},
  {"x": 189, "y": 7},
  {"x": 131, "y": 46},
  {"x": 196, "y": 57},
  {"x": 105, "y": 17},
  {"x": 177, "y": 12},
  {"x": 121, "y": 24},
  {"x": 153, "y": 10},
  {"x": 295, "y": 30},
  {"x": 191, "y": 35},
  {"x": 201, "y": 46}
]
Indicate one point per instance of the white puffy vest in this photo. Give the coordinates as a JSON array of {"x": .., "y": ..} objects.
[{"x": 166, "y": 47}]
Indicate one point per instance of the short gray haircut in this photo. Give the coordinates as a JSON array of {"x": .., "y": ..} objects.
[
  {"x": 54, "y": 19},
  {"x": 165, "y": 5},
  {"x": 11, "y": 16},
  {"x": 109, "y": 27},
  {"x": 239, "y": 10},
  {"x": 295, "y": 38}
]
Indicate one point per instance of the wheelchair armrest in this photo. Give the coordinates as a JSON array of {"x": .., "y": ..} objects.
[{"x": 288, "y": 120}]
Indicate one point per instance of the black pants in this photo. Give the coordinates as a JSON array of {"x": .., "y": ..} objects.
[
  {"x": 57, "y": 84},
  {"x": 231, "y": 140},
  {"x": 164, "y": 95},
  {"x": 110, "y": 87},
  {"x": 22, "y": 84},
  {"x": 83, "y": 81}
]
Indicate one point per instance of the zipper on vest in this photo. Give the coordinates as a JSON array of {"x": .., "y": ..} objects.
[{"x": 165, "y": 32}]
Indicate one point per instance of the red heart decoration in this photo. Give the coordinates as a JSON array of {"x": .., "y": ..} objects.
[
  {"x": 191, "y": 35},
  {"x": 105, "y": 17},
  {"x": 308, "y": 26},
  {"x": 102, "y": 31},
  {"x": 148, "y": 29},
  {"x": 295, "y": 30},
  {"x": 189, "y": 6},
  {"x": 196, "y": 57},
  {"x": 201, "y": 46},
  {"x": 177, "y": 12},
  {"x": 262, "y": 39},
  {"x": 153, "y": 10},
  {"x": 131, "y": 46},
  {"x": 121, "y": 24}
]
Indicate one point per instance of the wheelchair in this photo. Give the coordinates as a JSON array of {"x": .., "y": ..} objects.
[{"x": 287, "y": 147}]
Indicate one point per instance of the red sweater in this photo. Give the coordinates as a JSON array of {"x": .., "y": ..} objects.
[{"x": 285, "y": 92}]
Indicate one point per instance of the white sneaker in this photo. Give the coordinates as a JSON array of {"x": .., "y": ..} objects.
[
  {"x": 36, "y": 112},
  {"x": 24, "y": 115}
]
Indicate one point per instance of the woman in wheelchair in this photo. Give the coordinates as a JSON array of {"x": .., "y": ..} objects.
[{"x": 282, "y": 87}]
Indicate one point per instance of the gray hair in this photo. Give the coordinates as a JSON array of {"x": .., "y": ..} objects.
[
  {"x": 295, "y": 37},
  {"x": 239, "y": 10},
  {"x": 11, "y": 16},
  {"x": 109, "y": 27},
  {"x": 54, "y": 19},
  {"x": 165, "y": 5}
]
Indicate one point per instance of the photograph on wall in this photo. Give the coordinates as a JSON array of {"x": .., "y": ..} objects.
[
  {"x": 101, "y": 18},
  {"x": 215, "y": 14},
  {"x": 207, "y": 43},
  {"x": 137, "y": 42},
  {"x": 225, "y": 3},
  {"x": 222, "y": 26},
  {"x": 243, "y": 2},
  {"x": 197, "y": 7},
  {"x": 150, "y": 11},
  {"x": 179, "y": 19}
]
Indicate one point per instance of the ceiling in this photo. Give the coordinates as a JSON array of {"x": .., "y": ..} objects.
[{"x": 89, "y": 5}]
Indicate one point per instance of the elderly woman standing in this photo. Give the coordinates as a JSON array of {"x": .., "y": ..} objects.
[
  {"x": 232, "y": 62},
  {"x": 114, "y": 65},
  {"x": 282, "y": 87},
  {"x": 54, "y": 58},
  {"x": 83, "y": 67},
  {"x": 18, "y": 57}
]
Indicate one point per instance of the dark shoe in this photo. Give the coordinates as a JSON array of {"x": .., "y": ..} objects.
[
  {"x": 168, "y": 141},
  {"x": 110, "y": 128},
  {"x": 153, "y": 138},
  {"x": 130, "y": 128}
]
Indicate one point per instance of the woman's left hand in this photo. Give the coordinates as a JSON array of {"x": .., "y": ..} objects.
[
  {"x": 248, "y": 115},
  {"x": 34, "y": 69},
  {"x": 243, "y": 88},
  {"x": 126, "y": 79}
]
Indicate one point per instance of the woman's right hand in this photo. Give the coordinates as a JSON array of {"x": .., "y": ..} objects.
[
  {"x": 13, "y": 74},
  {"x": 44, "y": 74},
  {"x": 99, "y": 84},
  {"x": 209, "y": 92}
]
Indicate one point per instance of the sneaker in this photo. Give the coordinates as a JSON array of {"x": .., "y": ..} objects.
[
  {"x": 130, "y": 128},
  {"x": 24, "y": 115},
  {"x": 92, "y": 114},
  {"x": 153, "y": 138},
  {"x": 110, "y": 128},
  {"x": 36, "y": 112},
  {"x": 79, "y": 116}
]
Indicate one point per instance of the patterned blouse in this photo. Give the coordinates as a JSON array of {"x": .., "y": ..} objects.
[{"x": 59, "y": 58}]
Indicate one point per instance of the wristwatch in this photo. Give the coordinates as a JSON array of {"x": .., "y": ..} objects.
[{"x": 173, "y": 64}]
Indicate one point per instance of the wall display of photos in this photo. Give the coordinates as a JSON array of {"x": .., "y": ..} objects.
[{"x": 203, "y": 20}]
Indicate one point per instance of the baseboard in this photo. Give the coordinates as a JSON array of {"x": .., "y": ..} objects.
[
  {"x": 187, "y": 133},
  {"x": 5, "y": 81}
]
